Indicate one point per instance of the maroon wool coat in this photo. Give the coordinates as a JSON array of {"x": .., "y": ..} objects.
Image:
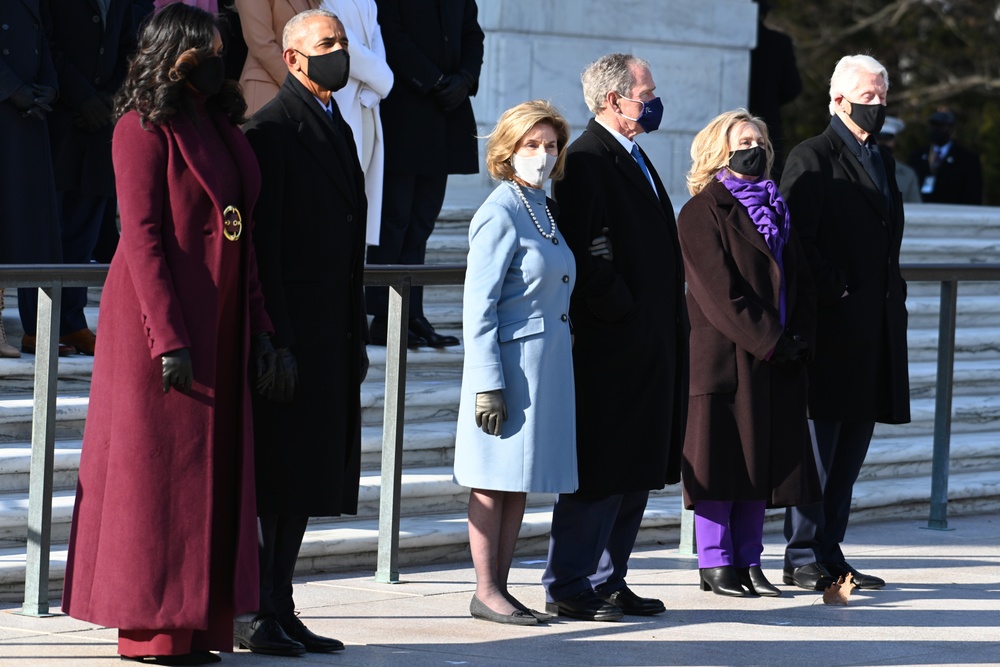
[
  {"x": 747, "y": 437},
  {"x": 140, "y": 543}
]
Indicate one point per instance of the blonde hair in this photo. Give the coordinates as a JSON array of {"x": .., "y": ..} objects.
[
  {"x": 710, "y": 149},
  {"x": 846, "y": 73},
  {"x": 512, "y": 125}
]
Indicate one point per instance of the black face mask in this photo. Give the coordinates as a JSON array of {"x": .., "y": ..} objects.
[
  {"x": 208, "y": 76},
  {"x": 940, "y": 137},
  {"x": 329, "y": 71},
  {"x": 869, "y": 117},
  {"x": 749, "y": 161}
]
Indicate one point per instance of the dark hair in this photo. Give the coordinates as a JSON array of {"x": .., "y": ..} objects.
[{"x": 173, "y": 42}]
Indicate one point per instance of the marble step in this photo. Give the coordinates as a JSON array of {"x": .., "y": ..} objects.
[
  {"x": 950, "y": 221},
  {"x": 344, "y": 544}
]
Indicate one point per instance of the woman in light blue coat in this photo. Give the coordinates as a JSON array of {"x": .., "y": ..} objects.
[{"x": 516, "y": 422}]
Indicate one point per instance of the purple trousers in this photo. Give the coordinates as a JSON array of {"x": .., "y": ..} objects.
[{"x": 729, "y": 532}]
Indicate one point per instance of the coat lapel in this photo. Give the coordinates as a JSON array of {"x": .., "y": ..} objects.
[
  {"x": 625, "y": 162},
  {"x": 857, "y": 174},
  {"x": 196, "y": 156}
]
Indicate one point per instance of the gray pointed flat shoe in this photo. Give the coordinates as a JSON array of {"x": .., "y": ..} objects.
[{"x": 519, "y": 617}]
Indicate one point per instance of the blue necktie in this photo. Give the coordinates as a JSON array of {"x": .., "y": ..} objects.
[{"x": 642, "y": 165}]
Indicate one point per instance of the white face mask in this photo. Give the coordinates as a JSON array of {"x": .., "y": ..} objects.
[{"x": 534, "y": 170}]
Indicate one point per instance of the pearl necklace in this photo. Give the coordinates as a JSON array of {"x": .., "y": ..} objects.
[{"x": 552, "y": 223}]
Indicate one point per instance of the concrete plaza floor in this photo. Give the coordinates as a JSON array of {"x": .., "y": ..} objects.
[{"x": 941, "y": 607}]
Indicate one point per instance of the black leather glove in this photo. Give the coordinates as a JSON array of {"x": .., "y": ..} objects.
[
  {"x": 491, "y": 411},
  {"x": 365, "y": 362},
  {"x": 451, "y": 92},
  {"x": 788, "y": 349},
  {"x": 22, "y": 98},
  {"x": 94, "y": 113},
  {"x": 178, "y": 371},
  {"x": 265, "y": 362},
  {"x": 286, "y": 377}
]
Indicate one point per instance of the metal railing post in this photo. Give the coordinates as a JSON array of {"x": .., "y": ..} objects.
[
  {"x": 43, "y": 442},
  {"x": 392, "y": 433},
  {"x": 942, "y": 406},
  {"x": 688, "y": 545}
]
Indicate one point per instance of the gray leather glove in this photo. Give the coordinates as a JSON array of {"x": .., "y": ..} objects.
[
  {"x": 601, "y": 246},
  {"x": 286, "y": 378},
  {"x": 178, "y": 371},
  {"x": 265, "y": 362},
  {"x": 491, "y": 411}
]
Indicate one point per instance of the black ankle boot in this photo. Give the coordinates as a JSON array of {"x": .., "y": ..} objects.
[
  {"x": 721, "y": 581},
  {"x": 754, "y": 580}
]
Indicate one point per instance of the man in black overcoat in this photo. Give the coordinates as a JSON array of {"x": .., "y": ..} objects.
[
  {"x": 310, "y": 241},
  {"x": 947, "y": 172},
  {"x": 630, "y": 357},
  {"x": 846, "y": 207},
  {"x": 91, "y": 42},
  {"x": 435, "y": 50},
  {"x": 29, "y": 221}
]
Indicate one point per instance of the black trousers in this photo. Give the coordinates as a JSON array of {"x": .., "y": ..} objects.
[
  {"x": 280, "y": 539},
  {"x": 814, "y": 532},
  {"x": 410, "y": 207}
]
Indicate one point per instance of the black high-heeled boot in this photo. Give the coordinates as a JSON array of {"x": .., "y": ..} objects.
[
  {"x": 721, "y": 581},
  {"x": 753, "y": 578}
]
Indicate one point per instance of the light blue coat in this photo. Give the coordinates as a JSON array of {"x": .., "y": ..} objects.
[{"x": 517, "y": 338}]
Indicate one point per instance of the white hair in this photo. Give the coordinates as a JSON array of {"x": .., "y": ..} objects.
[
  {"x": 610, "y": 73},
  {"x": 289, "y": 34},
  {"x": 845, "y": 75}
]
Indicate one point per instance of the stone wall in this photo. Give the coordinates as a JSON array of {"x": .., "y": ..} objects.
[{"x": 699, "y": 51}]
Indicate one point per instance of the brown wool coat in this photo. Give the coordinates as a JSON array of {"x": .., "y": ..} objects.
[{"x": 747, "y": 437}]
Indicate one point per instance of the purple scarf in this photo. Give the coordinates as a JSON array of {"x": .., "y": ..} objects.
[{"x": 769, "y": 213}]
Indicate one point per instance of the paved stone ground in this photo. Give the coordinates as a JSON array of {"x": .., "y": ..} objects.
[{"x": 941, "y": 607}]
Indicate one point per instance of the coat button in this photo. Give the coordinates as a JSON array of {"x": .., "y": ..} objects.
[
  {"x": 563, "y": 318},
  {"x": 95, "y": 18},
  {"x": 6, "y": 52},
  {"x": 97, "y": 79},
  {"x": 101, "y": 51},
  {"x": 350, "y": 217},
  {"x": 565, "y": 279},
  {"x": 6, "y": 27}
]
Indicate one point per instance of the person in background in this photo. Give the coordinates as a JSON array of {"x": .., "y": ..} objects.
[
  {"x": 906, "y": 177},
  {"x": 29, "y": 226},
  {"x": 91, "y": 44},
  {"x": 948, "y": 172},
  {"x": 262, "y": 22},
  {"x": 516, "y": 420},
  {"x": 630, "y": 358},
  {"x": 846, "y": 209},
  {"x": 435, "y": 50},
  {"x": 358, "y": 101},
  {"x": 163, "y": 543},
  {"x": 311, "y": 245},
  {"x": 753, "y": 319}
]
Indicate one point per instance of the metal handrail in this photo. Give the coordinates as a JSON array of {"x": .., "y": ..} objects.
[{"x": 50, "y": 279}]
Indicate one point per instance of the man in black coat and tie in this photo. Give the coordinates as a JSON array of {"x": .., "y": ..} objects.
[
  {"x": 630, "y": 357},
  {"x": 947, "y": 172},
  {"x": 310, "y": 241},
  {"x": 847, "y": 210}
]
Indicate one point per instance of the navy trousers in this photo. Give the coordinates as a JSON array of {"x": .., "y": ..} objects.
[
  {"x": 410, "y": 207},
  {"x": 814, "y": 532},
  {"x": 590, "y": 543}
]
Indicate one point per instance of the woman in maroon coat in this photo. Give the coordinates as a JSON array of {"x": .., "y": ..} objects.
[
  {"x": 164, "y": 538},
  {"x": 751, "y": 303}
]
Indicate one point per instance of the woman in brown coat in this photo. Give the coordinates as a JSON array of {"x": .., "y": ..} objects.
[{"x": 751, "y": 304}]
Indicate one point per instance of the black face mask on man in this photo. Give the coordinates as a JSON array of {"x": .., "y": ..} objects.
[
  {"x": 208, "y": 76},
  {"x": 330, "y": 71},
  {"x": 869, "y": 117}
]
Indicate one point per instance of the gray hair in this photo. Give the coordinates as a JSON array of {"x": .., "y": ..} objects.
[
  {"x": 294, "y": 24},
  {"x": 610, "y": 73},
  {"x": 845, "y": 75}
]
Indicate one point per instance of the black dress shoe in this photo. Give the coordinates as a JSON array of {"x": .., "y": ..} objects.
[
  {"x": 377, "y": 335},
  {"x": 265, "y": 635},
  {"x": 812, "y": 577},
  {"x": 192, "y": 658},
  {"x": 633, "y": 605},
  {"x": 421, "y": 327},
  {"x": 586, "y": 606},
  {"x": 298, "y": 631},
  {"x": 753, "y": 580},
  {"x": 864, "y": 581},
  {"x": 721, "y": 581}
]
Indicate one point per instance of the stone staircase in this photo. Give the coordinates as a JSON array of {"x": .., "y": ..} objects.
[{"x": 895, "y": 480}]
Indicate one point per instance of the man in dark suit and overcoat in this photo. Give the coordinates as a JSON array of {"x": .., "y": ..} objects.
[
  {"x": 847, "y": 210},
  {"x": 630, "y": 356},
  {"x": 947, "y": 172},
  {"x": 435, "y": 50},
  {"x": 91, "y": 42},
  {"x": 310, "y": 239}
]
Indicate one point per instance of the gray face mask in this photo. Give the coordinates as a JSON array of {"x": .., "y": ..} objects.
[{"x": 533, "y": 170}]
